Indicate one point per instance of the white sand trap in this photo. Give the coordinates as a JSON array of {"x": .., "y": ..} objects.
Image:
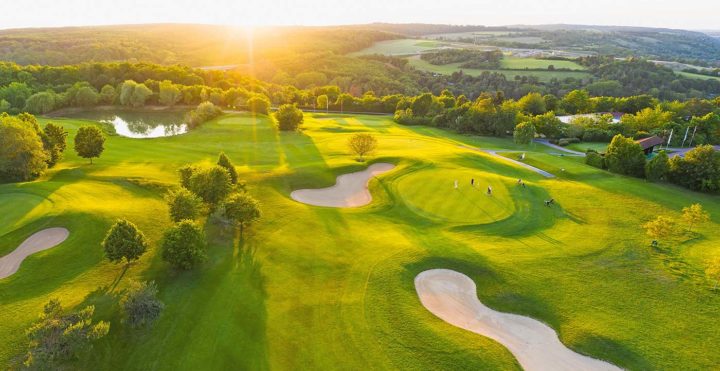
[
  {"x": 39, "y": 241},
  {"x": 452, "y": 296},
  {"x": 350, "y": 190}
]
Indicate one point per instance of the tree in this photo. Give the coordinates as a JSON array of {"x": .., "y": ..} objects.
[
  {"x": 242, "y": 209},
  {"x": 169, "y": 93},
  {"x": 224, "y": 161},
  {"x": 625, "y": 156},
  {"x": 89, "y": 142},
  {"x": 533, "y": 104},
  {"x": 107, "y": 94},
  {"x": 186, "y": 172},
  {"x": 54, "y": 142},
  {"x": 361, "y": 144},
  {"x": 289, "y": 117},
  {"x": 212, "y": 184},
  {"x": 656, "y": 169},
  {"x": 58, "y": 336},
  {"x": 660, "y": 228},
  {"x": 694, "y": 215},
  {"x": 713, "y": 270},
  {"x": 140, "y": 95},
  {"x": 86, "y": 96},
  {"x": 699, "y": 170},
  {"x": 140, "y": 304},
  {"x": 548, "y": 125},
  {"x": 183, "y": 245},
  {"x": 524, "y": 133},
  {"x": 124, "y": 241},
  {"x": 576, "y": 101},
  {"x": 323, "y": 102},
  {"x": 183, "y": 204},
  {"x": 126, "y": 91},
  {"x": 22, "y": 155},
  {"x": 259, "y": 104},
  {"x": 42, "y": 102}
]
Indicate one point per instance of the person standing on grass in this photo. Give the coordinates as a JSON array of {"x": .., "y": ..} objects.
[
  {"x": 456, "y": 184},
  {"x": 489, "y": 192},
  {"x": 472, "y": 182}
]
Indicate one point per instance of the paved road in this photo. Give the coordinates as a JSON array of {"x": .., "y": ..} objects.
[
  {"x": 495, "y": 154},
  {"x": 559, "y": 148},
  {"x": 672, "y": 151}
]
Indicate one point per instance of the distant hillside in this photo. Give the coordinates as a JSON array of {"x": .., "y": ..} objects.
[{"x": 194, "y": 45}]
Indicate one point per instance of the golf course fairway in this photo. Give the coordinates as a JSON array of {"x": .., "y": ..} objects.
[{"x": 332, "y": 287}]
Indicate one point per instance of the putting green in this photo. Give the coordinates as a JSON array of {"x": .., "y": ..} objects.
[
  {"x": 431, "y": 193},
  {"x": 19, "y": 208}
]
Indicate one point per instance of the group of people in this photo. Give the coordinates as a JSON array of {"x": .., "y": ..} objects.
[{"x": 472, "y": 184}]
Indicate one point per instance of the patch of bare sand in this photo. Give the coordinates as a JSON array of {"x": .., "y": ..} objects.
[
  {"x": 452, "y": 296},
  {"x": 350, "y": 190},
  {"x": 39, "y": 241}
]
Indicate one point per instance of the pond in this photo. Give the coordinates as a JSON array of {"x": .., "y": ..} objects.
[{"x": 138, "y": 124}]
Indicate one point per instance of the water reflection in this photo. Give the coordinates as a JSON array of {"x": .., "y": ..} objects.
[{"x": 140, "y": 129}]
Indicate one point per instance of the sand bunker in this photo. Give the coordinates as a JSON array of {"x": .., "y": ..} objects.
[
  {"x": 452, "y": 296},
  {"x": 39, "y": 241},
  {"x": 350, "y": 190}
]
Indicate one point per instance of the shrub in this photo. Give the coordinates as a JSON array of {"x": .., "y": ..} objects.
[
  {"x": 699, "y": 170},
  {"x": 59, "y": 336},
  {"x": 657, "y": 168},
  {"x": 566, "y": 141},
  {"x": 224, "y": 161},
  {"x": 595, "y": 159},
  {"x": 140, "y": 304},
  {"x": 183, "y": 245},
  {"x": 289, "y": 117},
  {"x": 204, "y": 112},
  {"x": 625, "y": 156},
  {"x": 259, "y": 104}
]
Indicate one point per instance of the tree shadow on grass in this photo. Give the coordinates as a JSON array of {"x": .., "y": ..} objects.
[{"x": 611, "y": 351}]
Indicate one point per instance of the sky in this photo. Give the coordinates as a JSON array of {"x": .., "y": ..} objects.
[{"x": 687, "y": 14}]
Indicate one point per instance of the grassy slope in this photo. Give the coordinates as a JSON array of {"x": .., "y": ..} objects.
[
  {"x": 325, "y": 288},
  {"x": 399, "y": 47},
  {"x": 543, "y": 76},
  {"x": 515, "y": 63},
  {"x": 696, "y": 76}
]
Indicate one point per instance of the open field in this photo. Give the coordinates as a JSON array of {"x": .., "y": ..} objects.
[
  {"x": 326, "y": 288},
  {"x": 697, "y": 76},
  {"x": 447, "y": 69},
  {"x": 514, "y": 63},
  {"x": 584, "y": 146},
  {"x": 400, "y": 47}
]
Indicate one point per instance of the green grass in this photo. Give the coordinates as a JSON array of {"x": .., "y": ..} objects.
[
  {"x": 400, "y": 47},
  {"x": 515, "y": 63},
  {"x": 696, "y": 76},
  {"x": 447, "y": 69},
  {"x": 584, "y": 146},
  {"x": 322, "y": 288}
]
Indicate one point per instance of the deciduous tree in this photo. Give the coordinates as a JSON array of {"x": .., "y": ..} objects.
[
  {"x": 183, "y": 245},
  {"x": 124, "y": 241},
  {"x": 289, "y": 117},
  {"x": 183, "y": 204},
  {"x": 89, "y": 142},
  {"x": 694, "y": 215},
  {"x": 242, "y": 209},
  {"x": 140, "y": 304},
  {"x": 362, "y": 144}
]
